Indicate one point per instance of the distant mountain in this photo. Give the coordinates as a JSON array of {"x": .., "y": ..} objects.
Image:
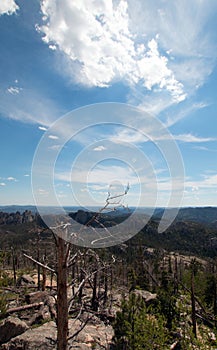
[
  {"x": 206, "y": 215},
  {"x": 20, "y": 208}
]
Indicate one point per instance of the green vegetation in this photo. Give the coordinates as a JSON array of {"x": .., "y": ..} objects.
[
  {"x": 178, "y": 266},
  {"x": 136, "y": 328}
]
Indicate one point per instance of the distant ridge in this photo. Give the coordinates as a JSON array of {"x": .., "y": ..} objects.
[
  {"x": 194, "y": 214},
  {"x": 15, "y": 208}
]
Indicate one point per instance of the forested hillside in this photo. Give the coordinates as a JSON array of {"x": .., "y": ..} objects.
[{"x": 155, "y": 291}]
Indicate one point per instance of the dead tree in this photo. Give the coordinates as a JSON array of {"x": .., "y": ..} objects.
[
  {"x": 64, "y": 262},
  {"x": 62, "y": 300}
]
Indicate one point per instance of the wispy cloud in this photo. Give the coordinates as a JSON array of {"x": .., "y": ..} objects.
[
  {"x": 192, "y": 138},
  {"x": 206, "y": 149},
  {"x": 2, "y": 184},
  {"x": 206, "y": 181},
  {"x": 128, "y": 135},
  {"x": 8, "y": 7},
  {"x": 55, "y": 147},
  {"x": 43, "y": 192},
  {"x": 101, "y": 175},
  {"x": 136, "y": 137},
  {"x": 53, "y": 137},
  {"x": 19, "y": 106},
  {"x": 175, "y": 116}
]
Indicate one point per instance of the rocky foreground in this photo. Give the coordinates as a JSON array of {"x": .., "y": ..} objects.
[{"x": 17, "y": 334}]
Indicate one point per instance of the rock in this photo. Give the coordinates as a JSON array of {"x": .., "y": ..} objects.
[
  {"x": 82, "y": 217},
  {"x": 36, "y": 297},
  {"x": 40, "y": 338},
  {"x": 25, "y": 280},
  {"x": 92, "y": 336},
  {"x": 45, "y": 297},
  {"x": 145, "y": 295},
  {"x": 44, "y": 337},
  {"x": 10, "y": 328},
  {"x": 42, "y": 315}
]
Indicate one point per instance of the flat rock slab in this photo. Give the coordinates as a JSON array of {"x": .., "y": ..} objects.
[
  {"x": 40, "y": 338},
  {"x": 10, "y": 328},
  {"x": 44, "y": 337}
]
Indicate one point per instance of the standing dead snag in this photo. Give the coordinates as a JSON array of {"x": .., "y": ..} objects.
[
  {"x": 62, "y": 301},
  {"x": 64, "y": 262}
]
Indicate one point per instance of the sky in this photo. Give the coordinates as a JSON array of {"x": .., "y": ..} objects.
[{"x": 99, "y": 94}]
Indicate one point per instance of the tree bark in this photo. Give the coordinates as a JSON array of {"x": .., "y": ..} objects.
[
  {"x": 193, "y": 309},
  {"x": 62, "y": 302},
  {"x": 24, "y": 307}
]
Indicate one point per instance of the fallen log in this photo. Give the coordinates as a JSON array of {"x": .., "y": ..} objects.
[{"x": 24, "y": 307}]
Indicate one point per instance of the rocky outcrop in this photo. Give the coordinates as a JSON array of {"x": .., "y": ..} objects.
[
  {"x": 10, "y": 328},
  {"x": 93, "y": 336},
  {"x": 40, "y": 338},
  {"x": 25, "y": 280},
  {"x": 17, "y": 218},
  {"x": 145, "y": 295}
]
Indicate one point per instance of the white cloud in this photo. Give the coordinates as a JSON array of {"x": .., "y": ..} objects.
[
  {"x": 99, "y": 148},
  {"x": 2, "y": 184},
  {"x": 11, "y": 178},
  {"x": 207, "y": 182},
  {"x": 42, "y": 192},
  {"x": 8, "y": 7},
  {"x": 100, "y": 176},
  {"x": 53, "y": 137},
  {"x": 129, "y": 136},
  {"x": 103, "y": 48},
  {"x": 203, "y": 148},
  {"x": 19, "y": 107},
  {"x": 190, "y": 108},
  {"x": 14, "y": 90},
  {"x": 135, "y": 137},
  {"x": 192, "y": 138},
  {"x": 55, "y": 147},
  {"x": 42, "y": 128},
  {"x": 26, "y": 175}
]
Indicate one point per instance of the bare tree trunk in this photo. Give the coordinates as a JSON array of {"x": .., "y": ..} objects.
[
  {"x": 14, "y": 266},
  {"x": 193, "y": 310},
  {"x": 44, "y": 277},
  {"x": 38, "y": 258},
  {"x": 105, "y": 297},
  {"x": 94, "y": 302},
  {"x": 62, "y": 302}
]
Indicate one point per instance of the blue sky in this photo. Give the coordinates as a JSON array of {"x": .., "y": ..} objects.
[{"x": 104, "y": 93}]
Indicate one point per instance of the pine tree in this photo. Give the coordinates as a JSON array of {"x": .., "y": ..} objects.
[{"x": 136, "y": 329}]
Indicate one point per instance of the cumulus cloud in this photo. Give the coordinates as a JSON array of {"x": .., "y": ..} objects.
[
  {"x": 99, "y": 41},
  {"x": 2, "y": 184},
  {"x": 8, "y": 7}
]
